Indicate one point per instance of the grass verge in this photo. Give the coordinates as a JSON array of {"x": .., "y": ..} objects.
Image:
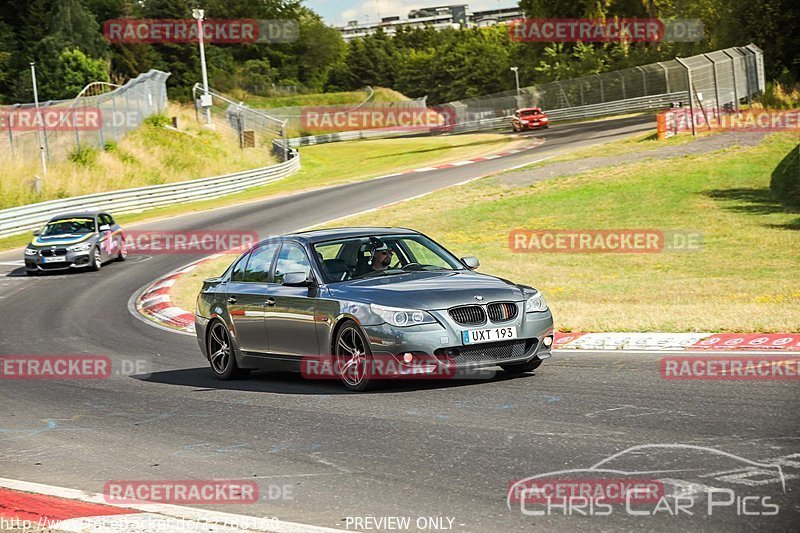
[
  {"x": 335, "y": 163},
  {"x": 744, "y": 278},
  {"x": 152, "y": 154},
  {"x": 318, "y": 99}
]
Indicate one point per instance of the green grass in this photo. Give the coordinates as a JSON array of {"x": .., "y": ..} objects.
[
  {"x": 330, "y": 164},
  {"x": 320, "y": 99},
  {"x": 744, "y": 278}
]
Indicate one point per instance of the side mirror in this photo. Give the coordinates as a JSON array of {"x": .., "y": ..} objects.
[
  {"x": 471, "y": 262},
  {"x": 297, "y": 279},
  {"x": 36, "y": 232},
  {"x": 105, "y": 227}
]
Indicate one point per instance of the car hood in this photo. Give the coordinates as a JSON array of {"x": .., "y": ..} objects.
[
  {"x": 66, "y": 239},
  {"x": 428, "y": 290}
]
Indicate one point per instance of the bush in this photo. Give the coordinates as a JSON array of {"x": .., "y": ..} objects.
[
  {"x": 85, "y": 156},
  {"x": 779, "y": 96},
  {"x": 158, "y": 120},
  {"x": 785, "y": 182}
]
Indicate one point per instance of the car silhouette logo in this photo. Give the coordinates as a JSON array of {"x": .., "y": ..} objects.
[{"x": 479, "y": 298}]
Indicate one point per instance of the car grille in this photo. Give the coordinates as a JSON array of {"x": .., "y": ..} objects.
[
  {"x": 49, "y": 252},
  {"x": 488, "y": 353},
  {"x": 502, "y": 311},
  {"x": 468, "y": 315}
]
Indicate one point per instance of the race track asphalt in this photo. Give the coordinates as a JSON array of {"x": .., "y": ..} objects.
[{"x": 417, "y": 449}]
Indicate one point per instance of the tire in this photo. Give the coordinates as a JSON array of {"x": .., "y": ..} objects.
[
  {"x": 520, "y": 368},
  {"x": 123, "y": 252},
  {"x": 352, "y": 358},
  {"x": 221, "y": 353},
  {"x": 96, "y": 262}
]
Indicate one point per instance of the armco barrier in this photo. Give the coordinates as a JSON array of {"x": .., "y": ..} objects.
[
  {"x": 621, "y": 107},
  {"x": 19, "y": 219}
]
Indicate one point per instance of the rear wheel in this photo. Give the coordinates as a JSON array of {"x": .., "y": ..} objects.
[
  {"x": 530, "y": 366},
  {"x": 352, "y": 357},
  {"x": 123, "y": 252},
  {"x": 221, "y": 354}
]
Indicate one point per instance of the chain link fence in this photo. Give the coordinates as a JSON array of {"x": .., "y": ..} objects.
[
  {"x": 716, "y": 81},
  {"x": 100, "y": 113},
  {"x": 254, "y": 128}
]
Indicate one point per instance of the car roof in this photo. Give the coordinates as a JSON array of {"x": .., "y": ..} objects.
[
  {"x": 320, "y": 235},
  {"x": 529, "y": 109},
  {"x": 77, "y": 214}
]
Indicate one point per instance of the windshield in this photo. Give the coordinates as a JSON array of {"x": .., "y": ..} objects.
[
  {"x": 363, "y": 257},
  {"x": 530, "y": 113},
  {"x": 69, "y": 226}
]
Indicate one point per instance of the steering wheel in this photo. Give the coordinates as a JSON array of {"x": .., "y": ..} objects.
[{"x": 405, "y": 267}]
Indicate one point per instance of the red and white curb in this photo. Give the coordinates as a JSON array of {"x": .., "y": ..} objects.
[
  {"x": 33, "y": 506},
  {"x": 154, "y": 300},
  {"x": 489, "y": 157},
  {"x": 783, "y": 343}
]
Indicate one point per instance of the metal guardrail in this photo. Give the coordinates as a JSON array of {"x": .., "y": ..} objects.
[
  {"x": 20, "y": 219},
  {"x": 621, "y": 107}
]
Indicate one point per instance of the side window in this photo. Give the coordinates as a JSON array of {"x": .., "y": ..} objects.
[
  {"x": 238, "y": 269},
  {"x": 259, "y": 263},
  {"x": 291, "y": 259}
]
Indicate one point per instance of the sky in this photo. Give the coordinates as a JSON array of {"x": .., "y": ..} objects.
[{"x": 338, "y": 12}]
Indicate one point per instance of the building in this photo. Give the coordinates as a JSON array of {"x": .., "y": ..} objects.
[{"x": 438, "y": 17}]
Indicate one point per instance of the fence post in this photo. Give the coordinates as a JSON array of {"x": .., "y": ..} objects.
[
  {"x": 716, "y": 84},
  {"x": 666, "y": 76},
  {"x": 691, "y": 93},
  {"x": 11, "y": 135},
  {"x": 735, "y": 89}
]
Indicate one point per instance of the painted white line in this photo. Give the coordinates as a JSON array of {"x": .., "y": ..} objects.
[
  {"x": 425, "y": 169},
  {"x": 182, "y": 516},
  {"x": 530, "y": 163},
  {"x": 492, "y": 156},
  {"x": 13, "y": 263},
  {"x": 462, "y": 163}
]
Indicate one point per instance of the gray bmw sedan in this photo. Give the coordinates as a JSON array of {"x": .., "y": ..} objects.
[{"x": 366, "y": 304}]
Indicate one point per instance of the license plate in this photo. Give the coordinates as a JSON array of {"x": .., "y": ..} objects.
[
  {"x": 477, "y": 336},
  {"x": 55, "y": 259}
]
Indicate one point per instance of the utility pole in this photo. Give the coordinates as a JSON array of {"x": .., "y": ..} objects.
[
  {"x": 516, "y": 78},
  {"x": 205, "y": 99},
  {"x": 41, "y": 134}
]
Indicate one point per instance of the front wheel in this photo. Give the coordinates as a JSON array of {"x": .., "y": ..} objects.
[
  {"x": 221, "y": 354},
  {"x": 352, "y": 357},
  {"x": 520, "y": 368},
  {"x": 96, "y": 261}
]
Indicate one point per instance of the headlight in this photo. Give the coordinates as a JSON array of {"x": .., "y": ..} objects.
[
  {"x": 402, "y": 317},
  {"x": 31, "y": 251},
  {"x": 536, "y": 304},
  {"x": 80, "y": 247}
]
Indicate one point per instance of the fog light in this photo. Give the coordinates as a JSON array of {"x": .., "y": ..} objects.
[
  {"x": 547, "y": 341},
  {"x": 407, "y": 357}
]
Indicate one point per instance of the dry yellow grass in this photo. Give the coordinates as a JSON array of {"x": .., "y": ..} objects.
[{"x": 150, "y": 155}]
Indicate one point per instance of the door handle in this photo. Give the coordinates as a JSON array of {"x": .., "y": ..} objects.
[
  {"x": 231, "y": 299},
  {"x": 270, "y": 301}
]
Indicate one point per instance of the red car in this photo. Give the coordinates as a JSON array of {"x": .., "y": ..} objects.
[{"x": 529, "y": 118}]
